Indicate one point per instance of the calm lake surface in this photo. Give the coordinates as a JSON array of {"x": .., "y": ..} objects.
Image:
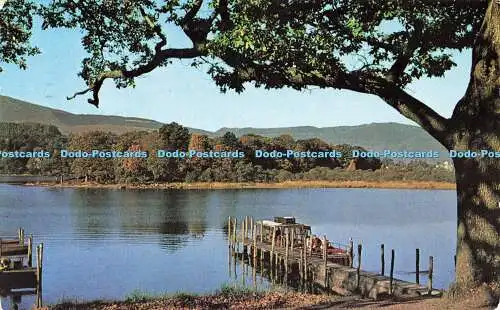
[{"x": 102, "y": 243}]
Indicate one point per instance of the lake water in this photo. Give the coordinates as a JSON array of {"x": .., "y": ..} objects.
[{"x": 102, "y": 243}]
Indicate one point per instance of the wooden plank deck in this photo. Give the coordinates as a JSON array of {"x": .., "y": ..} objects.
[
  {"x": 12, "y": 247},
  {"x": 9, "y": 241},
  {"x": 342, "y": 279},
  {"x": 18, "y": 279},
  {"x": 7, "y": 250}
]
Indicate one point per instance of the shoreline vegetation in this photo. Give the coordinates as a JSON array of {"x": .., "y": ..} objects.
[
  {"x": 227, "y": 159},
  {"x": 257, "y": 185},
  {"x": 238, "y": 297}
]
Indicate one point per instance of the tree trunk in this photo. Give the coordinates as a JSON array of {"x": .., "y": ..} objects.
[
  {"x": 478, "y": 215},
  {"x": 475, "y": 126}
]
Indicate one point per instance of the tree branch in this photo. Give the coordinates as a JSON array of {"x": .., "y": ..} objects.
[
  {"x": 159, "y": 57},
  {"x": 154, "y": 63},
  {"x": 397, "y": 69},
  {"x": 222, "y": 10},
  {"x": 407, "y": 105},
  {"x": 191, "y": 14},
  {"x": 196, "y": 29},
  {"x": 156, "y": 28}
]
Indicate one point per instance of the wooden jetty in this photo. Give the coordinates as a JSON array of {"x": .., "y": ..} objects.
[
  {"x": 19, "y": 277},
  {"x": 19, "y": 247},
  {"x": 287, "y": 247}
]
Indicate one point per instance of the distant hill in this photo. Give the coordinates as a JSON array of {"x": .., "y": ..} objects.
[
  {"x": 375, "y": 136},
  {"x": 18, "y": 111}
]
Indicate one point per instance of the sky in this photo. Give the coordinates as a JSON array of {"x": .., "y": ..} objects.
[{"x": 188, "y": 96}]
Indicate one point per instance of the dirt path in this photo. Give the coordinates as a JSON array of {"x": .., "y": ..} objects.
[{"x": 411, "y": 304}]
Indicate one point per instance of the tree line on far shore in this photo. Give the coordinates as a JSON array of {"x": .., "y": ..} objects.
[{"x": 35, "y": 137}]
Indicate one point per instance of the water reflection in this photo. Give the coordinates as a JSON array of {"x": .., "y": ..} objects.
[
  {"x": 168, "y": 241},
  {"x": 172, "y": 215}
]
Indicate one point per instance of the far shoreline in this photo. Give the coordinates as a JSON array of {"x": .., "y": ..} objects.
[{"x": 255, "y": 185}]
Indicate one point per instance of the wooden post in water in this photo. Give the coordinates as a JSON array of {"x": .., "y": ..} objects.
[
  {"x": 252, "y": 230},
  {"x": 229, "y": 259},
  {"x": 261, "y": 232},
  {"x": 271, "y": 266},
  {"x": 325, "y": 260},
  {"x": 431, "y": 270},
  {"x": 273, "y": 241},
  {"x": 309, "y": 248},
  {"x": 301, "y": 262},
  {"x": 229, "y": 231},
  {"x": 287, "y": 255},
  {"x": 382, "y": 259},
  {"x": 305, "y": 261},
  {"x": 39, "y": 271},
  {"x": 245, "y": 228},
  {"x": 358, "y": 269},
  {"x": 254, "y": 268},
  {"x": 276, "y": 261},
  {"x": 254, "y": 244},
  {"x": 292, "y": 241},
  {"x": 391, "y": 275},
  {"x": 242, "y": 241},
  {"x": 30, "y": 251},
  {"x": 21, "y": 236},
  {"x": 235, "y": 224},
  {"x": 287, "y": 244},
  {"x": 324, "y": 247},
  {"x": 351, "y": 253},
  {"x": 252, "y": 248},
  {"x": 417, "y": 266}
]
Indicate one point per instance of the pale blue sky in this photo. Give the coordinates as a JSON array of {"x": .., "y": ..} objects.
[{"x": 187, "y": 95}]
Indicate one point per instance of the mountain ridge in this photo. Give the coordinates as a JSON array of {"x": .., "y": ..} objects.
[{"x": 374, "y": 136}]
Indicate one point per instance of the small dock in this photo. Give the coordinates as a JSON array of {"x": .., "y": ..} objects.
[
  {"x": 290, "y": 250},
  {"x": 18, "y": 277},
  {"x": 16, "y": 247}
]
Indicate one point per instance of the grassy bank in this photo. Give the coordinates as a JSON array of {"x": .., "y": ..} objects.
[
  {"x": 286, "y": 184},
  {"x": 244, "y": 298},
  {"x": 228, "y": 297}
]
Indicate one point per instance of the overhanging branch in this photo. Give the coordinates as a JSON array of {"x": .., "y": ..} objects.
[
  {"x": 407, "y": 105},
  {"x": 157, "y": 60},
  {"x": 363, "y": 82},
  {"x": 154, "y": 63}
]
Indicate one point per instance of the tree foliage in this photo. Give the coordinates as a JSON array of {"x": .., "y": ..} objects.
[
  {"x": 301, "y": 43},
  {"x": 34, "y": 137},
  {"x": 16, "y": 22}
]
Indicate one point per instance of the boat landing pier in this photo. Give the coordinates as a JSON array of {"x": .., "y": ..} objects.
[{"x": 289, "y": 250}]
